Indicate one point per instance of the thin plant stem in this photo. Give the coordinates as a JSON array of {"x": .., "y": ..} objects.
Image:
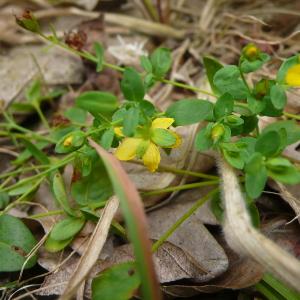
[
  {"x": 151, "y": 9},
  {"x": 186, "y": 172},
  {"x": 292, "y": 116},
  {"x": 47, "y": 214},
  {"x": 182, "y": 219},
  {"x": 181, "y": 187},
  {"x": 23, "y": 170},
  {"x": 42, "y": 117}
]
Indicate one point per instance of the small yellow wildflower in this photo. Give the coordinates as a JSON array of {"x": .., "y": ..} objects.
[
  {"x": 68, "y": 141},
  {"x": 145, "y": 144},
  {"x": 292, "y": 77}
]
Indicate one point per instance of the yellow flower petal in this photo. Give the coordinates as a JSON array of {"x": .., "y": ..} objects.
[
  {"x": 118, "y": 131},
  {"x": 151, "y": 158},
  {"x": 292, "y": 77},
  {"x": 178, "y": 139},
  {"x": 162, "y": 123},
  {"x": 127, "y": 149}
]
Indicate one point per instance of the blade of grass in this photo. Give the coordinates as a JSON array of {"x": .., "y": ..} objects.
[
  {"x": 135, "y": 218},
  {"x": 281, "y": 288}
]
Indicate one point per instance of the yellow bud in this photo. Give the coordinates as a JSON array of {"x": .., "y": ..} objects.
[
  {"x": 251, "y": 52},
  {"x": 217, "y": 132},
  {"x": 68, "y": 141}
]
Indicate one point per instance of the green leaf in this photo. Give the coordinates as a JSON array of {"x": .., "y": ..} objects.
[
  {"x": 280, "y": 287},
  {"x": 234, "y": 158},
  {"x": 146, "y": 64},
  {"x": 117, "y": 283},
  {"x": 60, "y": 194},
  {"x": 278, "y": 96},
  {"x": 67, "y": 228},
  {"x": 223, "y": 106},
  {"x": 256, "y": 106},
  {"x": 163, "y": 137},
  {"x": 39, "y": 155},
  {"x": 107, "y": 138},
  {"x": 217, "y": 208},
  {"x": 283, "y": 170},
  {"x": 4, "y": 199},
  {"x": 52, "y": 245},
  {"x": 33, "y": 93},
  {"x": 253, "y": 212},
  {"x": 161, "y": 61},
  {"x": 94, "y": 188},
  {"x": 288, "y": 63},
  {"x": 256, "y": 176},
  {"x": 131, "y": 121},
  {"x": 227, "y": 80},
  {"x": 189, "y": 111},
  {"x": 70, "y": 142},
  {"x": 268, "y": 144},
  {"x": 251, "y": 66},
  {"x": 291, "y": 127},
  {"x": 95, "y": 102},
  {"x": 212, "y": 66},
  {"x": 132, "y": 85},
  {"x": 75, "y": 114},
  {"x": 250, "y": 123},
  {"x": 203, "y": 140},
  {"x": 16, "y": 241},
  {"x": 22, "y": 189},
  {"x": 99, "y": 55}
]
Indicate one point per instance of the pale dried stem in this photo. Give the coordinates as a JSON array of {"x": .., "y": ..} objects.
[
  {"x": 245, "y": 239},
  {"x": 93, "y": 250}
]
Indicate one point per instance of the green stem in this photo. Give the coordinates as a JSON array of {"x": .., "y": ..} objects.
[
  {"x": 17, "y": 201},
  {"x": 186, "y": 87},
  {"x": 151, "y": 9},
  {"x": 62, "y": 163},
  {"x": 267, "y": 291},
  {"x": 181, "y": 187},
  {"x": 93, "y": 59},
  {"x": 42, "y": 117},
  {"x": 292, "y": 116},
  {"x": 186, "y": 172},
  {"x": 47, "y": 214},
  {"x": 23, "y": 169},
  {"x": 183, "y": 218}
]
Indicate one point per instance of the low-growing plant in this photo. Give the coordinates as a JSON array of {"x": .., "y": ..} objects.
[{"x": 137, "y": 130}]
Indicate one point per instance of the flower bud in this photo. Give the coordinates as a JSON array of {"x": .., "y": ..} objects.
[
  {"x": 217, "y": 132},
  {"x": 28, "y": 21},
  {"x": 251, "y": 52}
]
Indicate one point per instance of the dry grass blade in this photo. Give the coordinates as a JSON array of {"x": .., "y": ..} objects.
[
  {"x": 136, "y": 222},
  {"x": 93, "y": 249},
  {"x": 245, "y": 239}
]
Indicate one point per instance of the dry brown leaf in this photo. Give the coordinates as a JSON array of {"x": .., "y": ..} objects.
[
  {"x": 191, "y": 237},
  {"x": 18, "y": 68}
]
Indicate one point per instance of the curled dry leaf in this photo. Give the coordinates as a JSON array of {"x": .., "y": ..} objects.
[
  {"x": 192, "y": 237},
  {"x": 245, "y": 239}
]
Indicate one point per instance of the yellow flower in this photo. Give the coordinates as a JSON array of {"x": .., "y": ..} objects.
[
  {"x": 292, "y": 76},
  {"x": 145, "y": 144}
]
